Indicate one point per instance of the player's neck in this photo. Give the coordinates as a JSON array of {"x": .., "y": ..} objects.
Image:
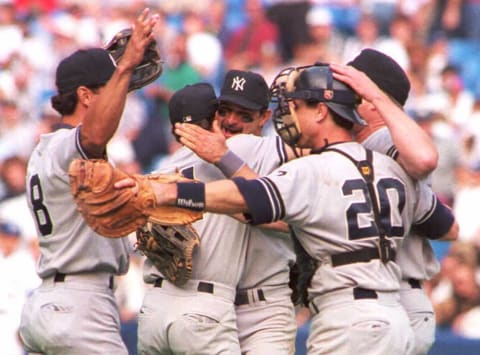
[
  {"x": 363, "y": 133},
  {"x": 338, "y": 136},
  {"x": 75, "y": 118}
]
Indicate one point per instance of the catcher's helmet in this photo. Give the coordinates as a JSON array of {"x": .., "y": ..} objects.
[
  {"x": 317, "y": 83},
  {"x": 310, "y": 83}
]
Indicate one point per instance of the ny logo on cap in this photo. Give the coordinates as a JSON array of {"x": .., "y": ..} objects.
[
  {"x": 238, "y": 83},
  {"x": 187, "y": 118}
]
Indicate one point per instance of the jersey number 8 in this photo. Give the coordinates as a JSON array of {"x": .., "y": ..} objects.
[{"x": 42, "y": 216}]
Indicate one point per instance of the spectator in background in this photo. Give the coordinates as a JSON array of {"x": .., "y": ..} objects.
[
  {"x": 15, "y": 128},
  {"x": 216, "y": 21},
  {"x": 323, "y": 34},
  {"x": 466, "y": 322},
  {"x": 11, "y": 34},
  {"x": 444, "y": 178},
  {"x": 383, "y": 11},
  {"x": 244, "y": 47},
  {"x": 203, "y": 49},
  {"x": 461, "y": 291},
  {"x": 155, "y": 141},
  {"x": 17, "y": 272},
  {"x": 446, "y": 19},
  {"x": 471, "y": 11},
  {"x": 454, "y": 100},
  {"x": 399, "y": 37},
  {"x": 345, "y": 13},
  {"x": 367, "y": 35},
  {"x": 12, "y": 175},
  {"x": 289, "y": 16},
  {"x": 470, "y": 142}
]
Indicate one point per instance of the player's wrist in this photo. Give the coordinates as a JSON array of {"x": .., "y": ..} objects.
[
  {"x": 229, "y": 163},
  {"x": 191, "y": 195}
]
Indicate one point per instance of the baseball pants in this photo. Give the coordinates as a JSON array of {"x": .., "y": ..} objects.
[
  {"x": 359, "y": 321},
  {"x": 72, "y": 314},
  {"x": 198, "y": 318},
  {"x": 420, "y": 312},
  {"x": 266, "y": 323}
]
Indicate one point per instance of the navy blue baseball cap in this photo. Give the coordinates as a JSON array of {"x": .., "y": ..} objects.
[
  {"x": 246, "y": 89},
  {"x": 85, "y": 67},
  {"x": 9, "y": 229},
  {"x": 385, "y": 72},
  {"x": 193, "y": 103}
]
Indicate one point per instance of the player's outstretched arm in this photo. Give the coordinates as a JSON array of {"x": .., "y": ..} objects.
[
  {"x": 103, "y": 116},
  {"x": 417, "y": 152},
  {"x": 220, "y": 196}
]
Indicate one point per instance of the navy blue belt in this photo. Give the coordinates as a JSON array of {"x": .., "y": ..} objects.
[
  {"x": 241, "y": 297},
  {"x": 414, "y": 283}
]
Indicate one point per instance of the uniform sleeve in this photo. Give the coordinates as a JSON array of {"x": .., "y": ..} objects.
[
  {"x": 279, "y": 195},
  {"x": 381, "y": 141},
  {"x": 64, "y": 147},
  {"x": 433, "y": 218},
  {"x": 262, "y": 154}
]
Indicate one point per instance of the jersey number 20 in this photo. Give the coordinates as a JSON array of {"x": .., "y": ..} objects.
[
  {"x": 42, "y": 216},
  {"x": 388, "y": 189}
]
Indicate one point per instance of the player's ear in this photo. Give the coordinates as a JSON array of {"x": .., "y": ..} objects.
[
  {"x": 321, "y": 112},
  {"x": 84, "y": 95}
]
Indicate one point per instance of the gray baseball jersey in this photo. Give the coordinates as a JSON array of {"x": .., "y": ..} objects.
[
  {"x": 325, "y": 199},
  {"x": 265, "y": 324},
  {"x": 417, "y": 262},
  {"x": 416, "y": 257},
  {"x": 67, "y": 244},
  {"x": 74, "y": 311},
  {"x": 336, "y": 217},
  {"x": 216, "y": 229},
  {"x": 220, "y": 260}
]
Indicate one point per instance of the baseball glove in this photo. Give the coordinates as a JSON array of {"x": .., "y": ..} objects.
[
  {"x": 144, "y": 73},
  {"x": 115, "y": 212},
  {"x": 301, "y": 273},
  {"x": 170, "y": 249}
]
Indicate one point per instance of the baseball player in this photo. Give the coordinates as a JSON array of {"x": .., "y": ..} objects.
[
  {"x": 74, "y": 310},
  {"x": 416, "y": 257},
  {"x": 220, "y": 235},
  {"x": 198, "y": 317},
  {"x": 265, "y": 313},
  {"x": 348, "y": 206}
]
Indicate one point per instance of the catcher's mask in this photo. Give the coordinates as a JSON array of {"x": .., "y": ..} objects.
[
  {"x": 309, "y": 83},
  {"x": 149, "y": 69}
]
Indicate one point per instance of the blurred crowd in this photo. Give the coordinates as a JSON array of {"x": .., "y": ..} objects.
[{"x": 437, "y": 42}]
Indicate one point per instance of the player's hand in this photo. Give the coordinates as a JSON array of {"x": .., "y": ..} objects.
[
  {"x": 142, "y": 35},
  {"x": 165, "y": 194},
  {"x": 126, "y": 183},
  {"x": 357, "y": 80},
  {"x": 211, "y": 145}
]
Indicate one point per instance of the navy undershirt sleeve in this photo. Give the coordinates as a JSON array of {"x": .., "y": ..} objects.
[
  {"x": 256, "y": 197},
  {"x": 439, "y": 223}
]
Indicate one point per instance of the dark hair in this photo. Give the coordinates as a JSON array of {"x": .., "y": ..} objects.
[
  {"x": 65, "y": 104},
  {"x": 206, "y": 123},
  {"x": 340, "y": 121}
]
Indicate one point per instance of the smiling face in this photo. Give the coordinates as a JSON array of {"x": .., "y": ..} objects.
[{"x": 234, "y": 119}]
